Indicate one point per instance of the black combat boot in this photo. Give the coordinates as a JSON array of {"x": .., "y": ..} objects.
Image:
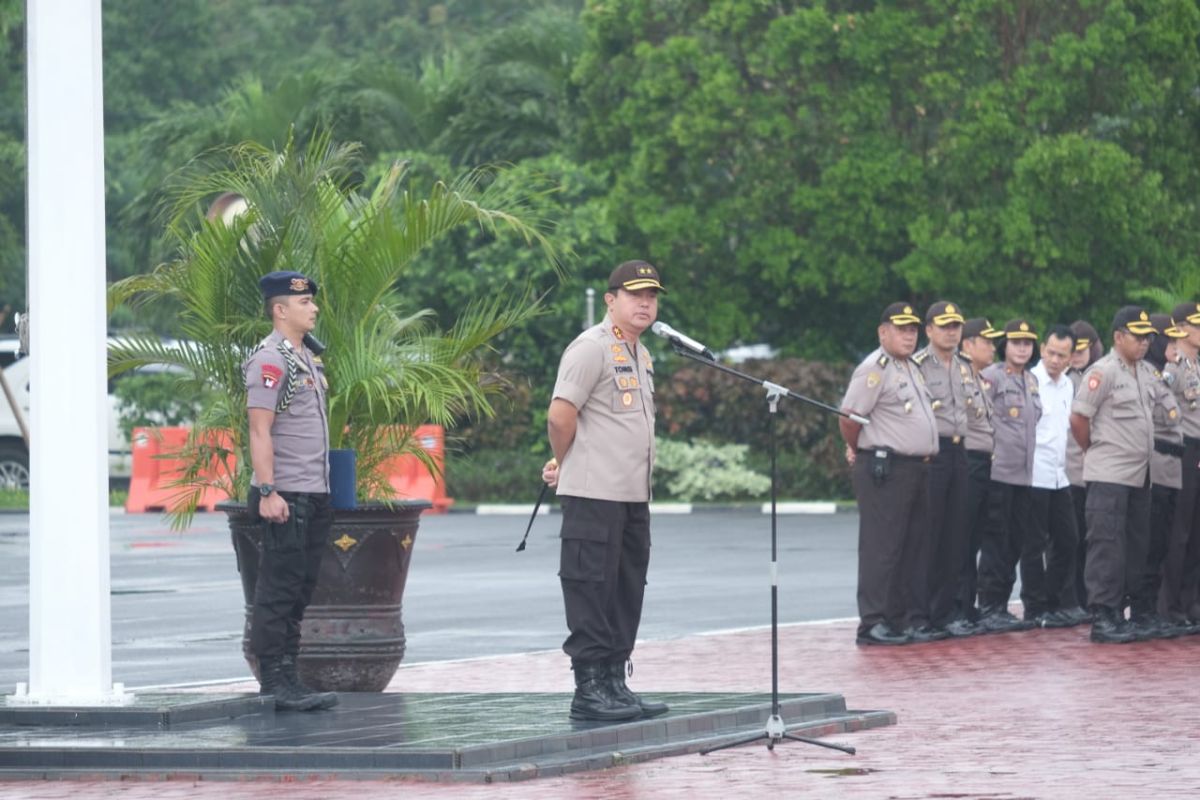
[
  {"x": 616, "y": 681},
  {"x": 273, "y": 682},
  {"x": 594, "y": 696},
  {"x": 288, "y": 666},
  {"x": 1110, "y": 628}
]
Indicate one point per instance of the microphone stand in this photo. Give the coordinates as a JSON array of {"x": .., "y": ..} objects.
[{"x": 776, "y": 730}]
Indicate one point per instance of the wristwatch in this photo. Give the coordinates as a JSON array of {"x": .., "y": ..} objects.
[{"x": 266, "y": 489}]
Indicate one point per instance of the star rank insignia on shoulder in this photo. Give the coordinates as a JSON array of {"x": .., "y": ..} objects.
[
  {"x": 920, "y": 357},
  {"x": 617, "y": 333},
  {"x": 883, "y": 360}
]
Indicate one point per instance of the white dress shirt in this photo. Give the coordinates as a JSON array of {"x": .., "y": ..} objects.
[{"x": 1050, "y": 452}]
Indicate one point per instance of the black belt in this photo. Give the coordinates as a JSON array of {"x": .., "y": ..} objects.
[
  {"x": 1169, "y": 448},
  {"x": 870, "y": 451},
  {"x": 982, "y": 455},
  {"x": 946, "y": 442},
  {"x": 1191, "y": 441}
]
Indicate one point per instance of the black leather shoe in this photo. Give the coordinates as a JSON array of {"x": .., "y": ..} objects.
[
  {"x": 287, "y": 697},
  {"x": 616, "y": 681},
  {"x": 1152, "y": 626},
  {"x": 325, "y": 700},
  {"x": 926, "y": 633},
  {"x": 594, "y": 697},
  {"x": 882, "y": 633},
  {"x": 1054, "y": 619},
  {"x": 998, "y": 620},
  {"x": 960, "y": 628},
  {"x": 1107, "y": 628},
  {"x": 1076, "y": 615}
]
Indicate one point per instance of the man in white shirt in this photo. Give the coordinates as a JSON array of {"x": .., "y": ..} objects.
[{"x": 1053, "y": 534}]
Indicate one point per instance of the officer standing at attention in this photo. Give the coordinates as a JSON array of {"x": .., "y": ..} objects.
[
  {"x": 979, "y": 351},
  {"x": 601, "y": 429},
  {"x": 289, "y": 491},
  {"x": 1088, "y": 350},
  {"x": 951, "y": 384},
  {"x": 1112, "y": 419},
  {"x": 1016, "y": 406},
  {"x": 1178, "y": 600},
  {"x": 891, "y": 458}
]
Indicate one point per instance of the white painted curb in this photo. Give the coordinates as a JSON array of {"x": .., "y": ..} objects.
[
  {"x": 807, "y": 507},
  {"x": 510, "y": 510},
  {"x": 670, "y": 508}
]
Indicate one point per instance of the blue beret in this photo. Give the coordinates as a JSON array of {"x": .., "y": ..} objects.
[{"x": 285, "y": 282}]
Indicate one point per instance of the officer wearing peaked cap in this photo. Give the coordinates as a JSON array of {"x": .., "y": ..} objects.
[
  {"x": 1088, "y": 350},
  {"x": 1112, "y": 419},
  {"x": 289, "y": 450},
  {"x": 978, "y": 351},
  {"x": 1179, "y": 598},
  {"x": 890, "y": 459},
  {"x": 1013, "y": 392},
  {"x": 953, "y": 388},
  {"x": 601, "y": 428}
]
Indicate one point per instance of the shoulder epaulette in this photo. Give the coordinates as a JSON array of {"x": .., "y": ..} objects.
[
  {"x": 963, "y": 357},
  {"x": 288, "y": 391},
  {"x": 883, "y": 360},
  {"x": 920, "y": 356}
]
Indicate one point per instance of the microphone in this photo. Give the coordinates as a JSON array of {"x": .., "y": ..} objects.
[{"x": 667, "y": 332}]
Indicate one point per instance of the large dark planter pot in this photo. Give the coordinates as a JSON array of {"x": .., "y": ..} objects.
[{"x": 352, "y": 638}]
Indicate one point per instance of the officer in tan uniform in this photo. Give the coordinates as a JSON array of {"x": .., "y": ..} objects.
[
  {"x": 951, "y": 384},
  {"x": 1016, "y": 408},
  {"x": 978, "y": 351},
  {"x": 601, "y": 429},
  {"x": 1178, "y": 599},
  {"x": 1088, "y": 350},
  {"x": 890, "y": 458},
  {"x": 1166, "y": 478},
  {"x": 289, "y": 450},
  {"x": 1112, "y": 419}
]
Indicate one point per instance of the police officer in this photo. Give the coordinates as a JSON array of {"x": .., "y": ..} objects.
[
  {"x": 1073, "y": 602},
  {"x": 601, "y": 429},
  {"x": 978, "y": 351},
  {"x": 1013, "y": 392},
  {"x": 289, "y": 450},
  {"x": 891, "y": 459},
  {"x": 951, "y": 384},
  {"x": 1112, "y": 419},
  {"x": 1166, "y": 478},
  {"x": 1178, "y": 599}
]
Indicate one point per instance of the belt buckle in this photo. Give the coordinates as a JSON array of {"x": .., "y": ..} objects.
[
  {"x": 956, "y": 439},
  {"x": 926, "y": 459}
]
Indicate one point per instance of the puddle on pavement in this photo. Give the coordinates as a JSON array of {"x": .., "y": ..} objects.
[{"x": 844, "y": 772}]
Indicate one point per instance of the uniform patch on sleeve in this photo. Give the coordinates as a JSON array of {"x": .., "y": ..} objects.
[
  {"x": 872, "y": 380},
  {"x": 1094, "y": 381},
  {"x": 271, "y": 375}
]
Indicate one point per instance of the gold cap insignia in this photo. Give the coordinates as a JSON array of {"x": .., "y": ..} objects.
[
  {"x": 950, "y": 309},
  {"x": 1144, "y": 317},
  {"x": 908, "y": 310},
  {"x": 1024, "y": 326}
]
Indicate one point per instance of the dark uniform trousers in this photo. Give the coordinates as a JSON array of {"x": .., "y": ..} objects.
[
  {"x": 979, "y": 475},
  {"x": 1079, "y": 502},
  {"x": 1181, "y": 571},
  {"x": 1008, "y": 523},
  {"x": 1162, "y": 516},
  {"x": 287, "y": 571},
  {"x": 1052, "y": 535},
  {"x": 947, "y": 526},
  {"x": 1118, "y": 534},
  {"x": 605, "y": 555},
  {"x": 893, "y": 532}
]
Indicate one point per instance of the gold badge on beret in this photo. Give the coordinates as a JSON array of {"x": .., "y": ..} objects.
[{"x": 299, "y": 284}]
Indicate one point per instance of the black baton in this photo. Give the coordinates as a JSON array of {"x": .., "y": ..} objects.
[{"x": 532, "y": 517}]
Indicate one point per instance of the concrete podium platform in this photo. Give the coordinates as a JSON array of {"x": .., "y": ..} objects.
[{"x": 471, "y": 737}]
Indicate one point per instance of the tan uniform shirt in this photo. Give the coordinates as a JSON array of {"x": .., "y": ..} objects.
[
  {"x": 947, "y": 386},
  {"x": 612, "y": 384},
  {"x": 1119, "y": 401},
  {"x": 1016, "y": 409},
  {"x": 893, "y": 396},
  {"x": 300, "y": 433},
  {"x": 981, "y": 435},
  {"x": 1184, "y": 379},
  {"x": 1074, "y": 451},
  {"x": 1166, "y": 469}
]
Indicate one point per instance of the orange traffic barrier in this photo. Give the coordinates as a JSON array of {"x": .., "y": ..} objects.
[
  {"x": 154, "y": 470},
  {"x": 412, "y": 480}
]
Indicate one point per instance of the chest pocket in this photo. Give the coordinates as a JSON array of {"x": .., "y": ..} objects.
[
  {"x": 627, "y": 394},
  {"x": 1126, "y": 402}
]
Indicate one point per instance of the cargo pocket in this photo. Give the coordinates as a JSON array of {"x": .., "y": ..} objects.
[{"x": 584, "y": 552}]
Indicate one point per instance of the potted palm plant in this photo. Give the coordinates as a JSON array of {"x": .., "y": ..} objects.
[{"x": 389, "y": 367}]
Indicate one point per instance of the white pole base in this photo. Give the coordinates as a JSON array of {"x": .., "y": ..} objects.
[{"x": 118, "y": 697}]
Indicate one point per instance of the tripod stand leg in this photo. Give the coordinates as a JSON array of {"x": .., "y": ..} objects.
[
  {"x": 738, "y": 743},
  {"x": 844, "y": 748}
]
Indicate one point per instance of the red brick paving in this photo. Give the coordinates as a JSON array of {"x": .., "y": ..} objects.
[{"x": 1043, "y": 714}]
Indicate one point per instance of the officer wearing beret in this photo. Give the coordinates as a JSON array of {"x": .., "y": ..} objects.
[
  {"x": 601, "y": 429},
  {"x": 1088, "y": 350},
  {"x": 978, "y": 348},
  {"x": 289, "y": 450},
  {"x": 952, "y": 386},
  {"x": 1166, "y": 478},
  {"x": 1113, "y": 421},
  {"x": 1178, "y": 599},
  {"x": 1013, "y": 392},
  {"x": 891, "y": 458}
]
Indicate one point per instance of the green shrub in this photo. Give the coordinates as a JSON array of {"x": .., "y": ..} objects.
[
  {"x": 702, "y": 470},
  {"x": 154, "y": 399},
  {"x": 494, "y": 476}
]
